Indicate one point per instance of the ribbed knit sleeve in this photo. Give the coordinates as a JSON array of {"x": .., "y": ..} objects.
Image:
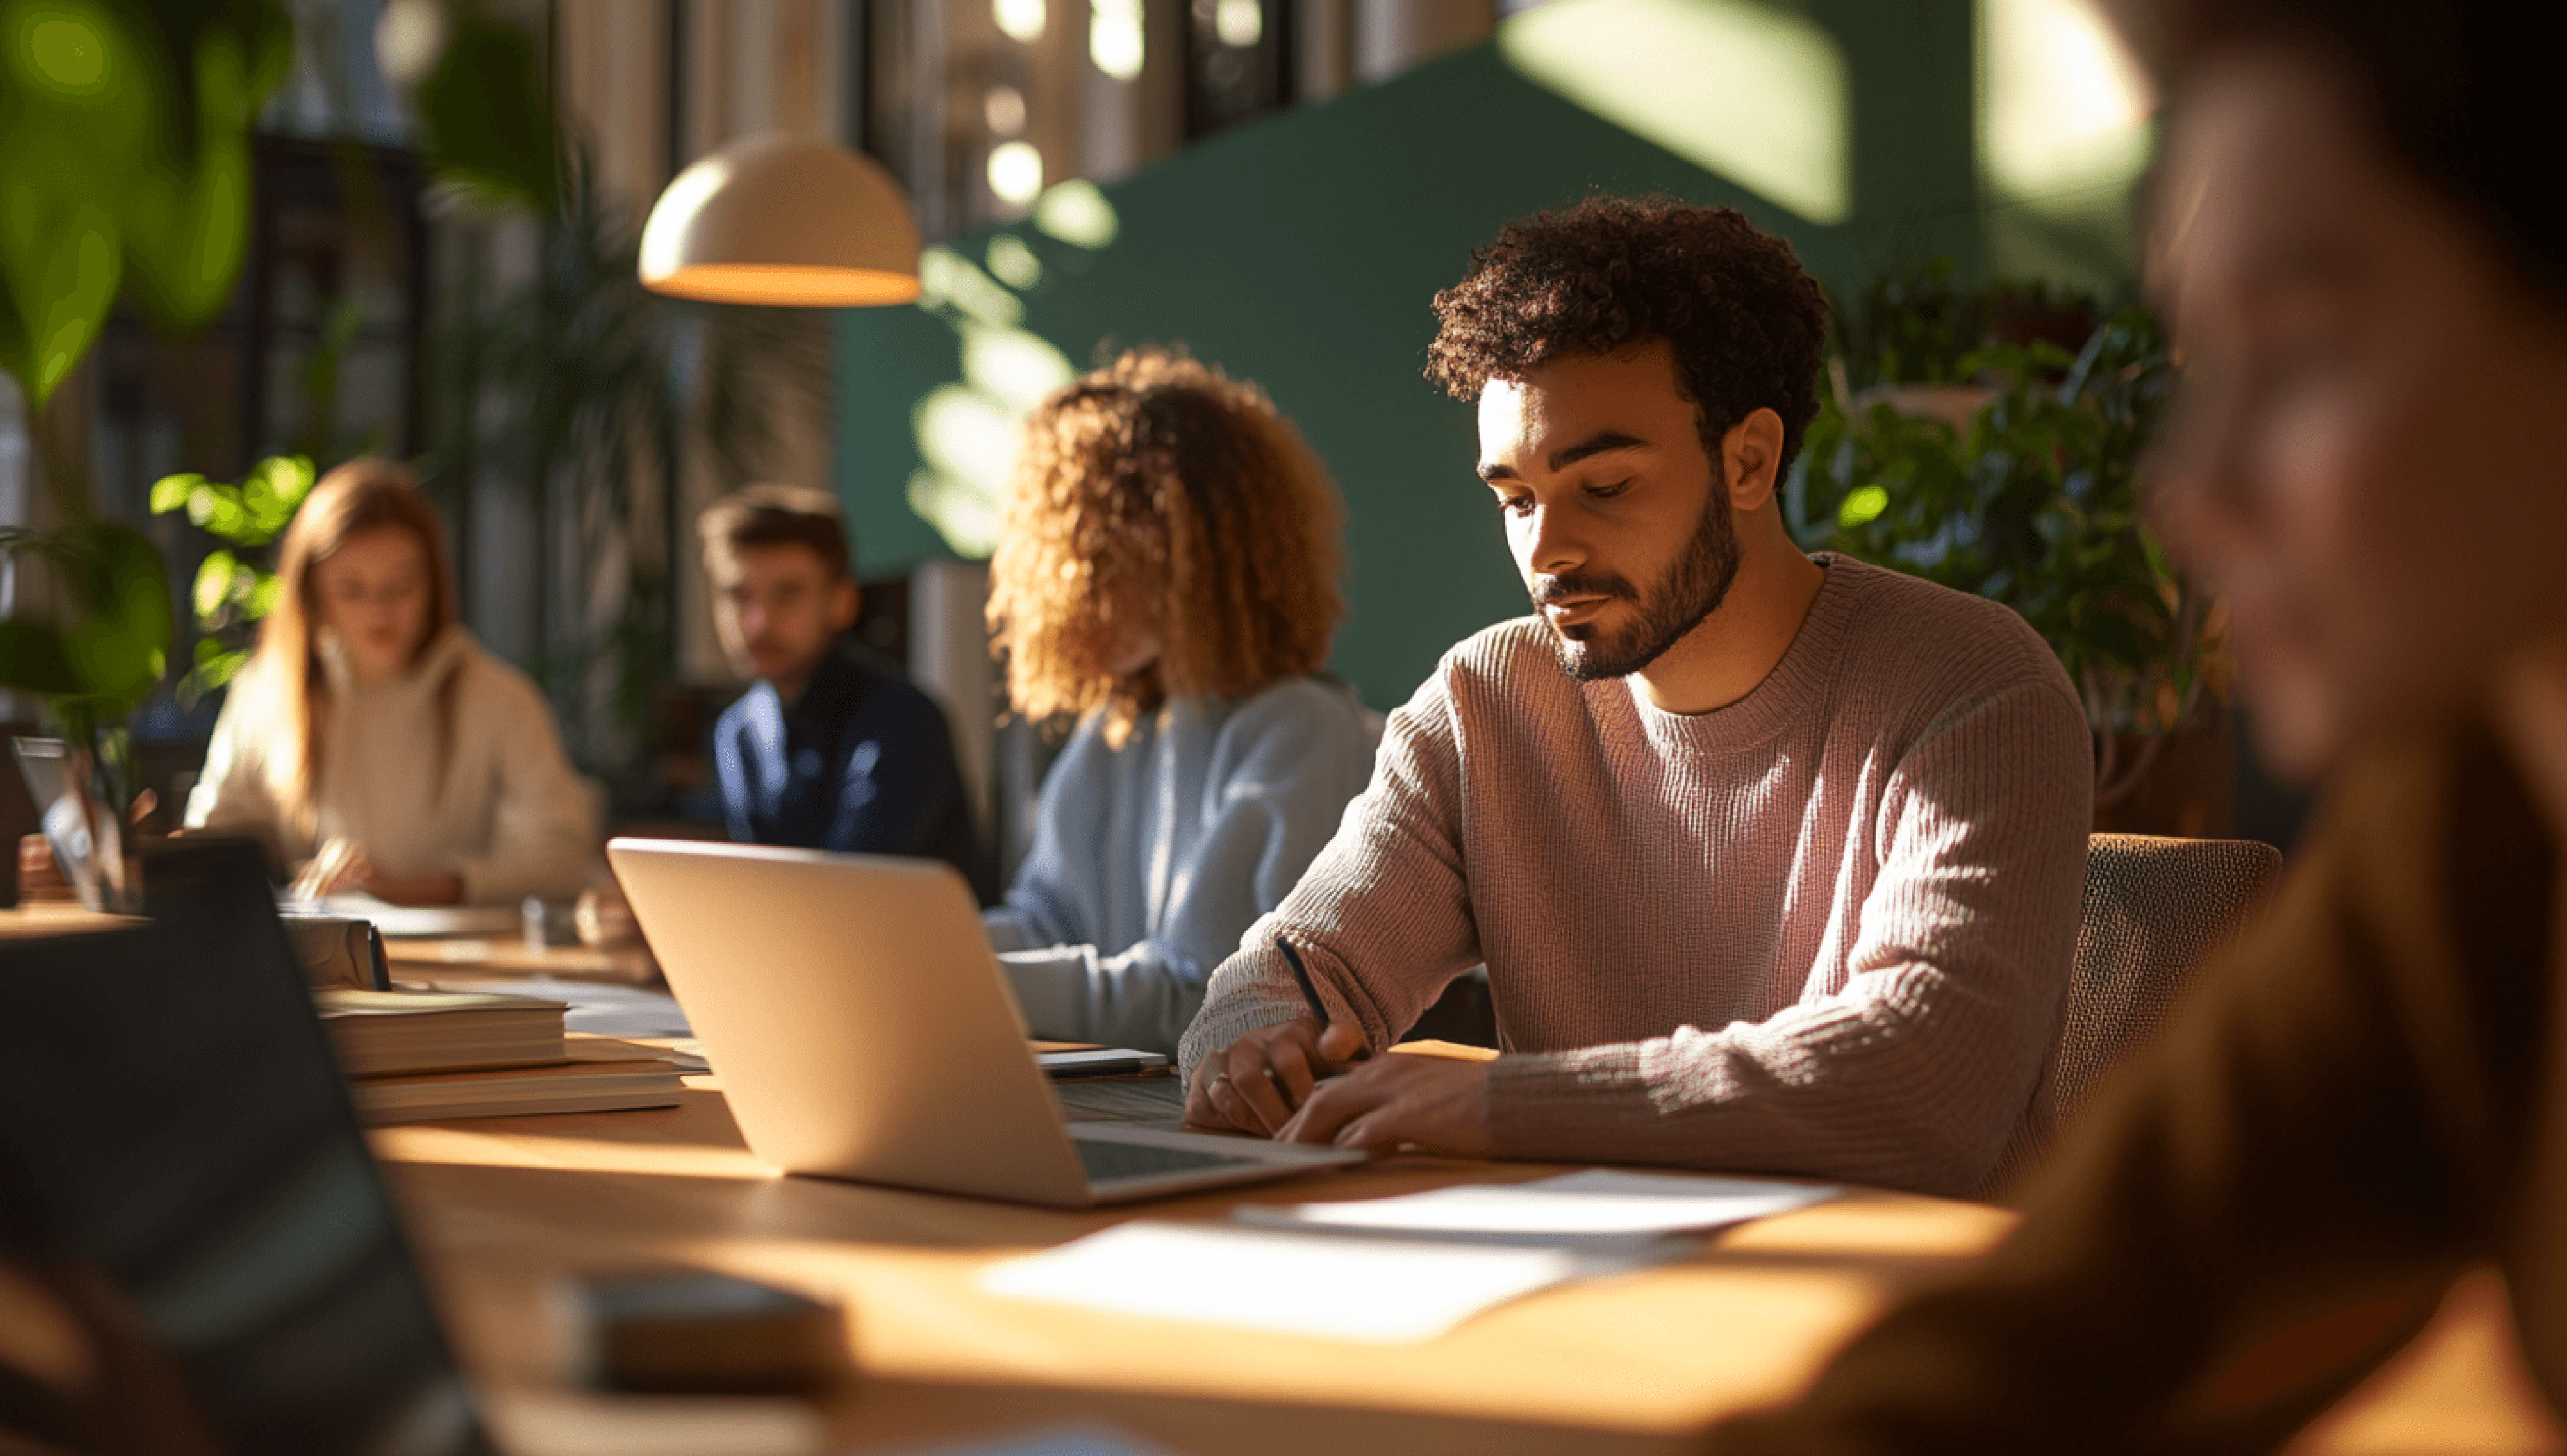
[
  {"x": 1383, "y": 915},
  {"x": 1824, "y": 929},
  {"x": 1913, "y": 1075}
]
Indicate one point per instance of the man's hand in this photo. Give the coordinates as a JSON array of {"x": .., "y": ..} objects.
[
  {"x": 1429, "y": 1103},
  {"x": 1256, "y": 1084}
]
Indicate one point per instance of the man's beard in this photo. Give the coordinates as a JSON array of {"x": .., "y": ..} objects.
[{"x": 1691, "y": 589}]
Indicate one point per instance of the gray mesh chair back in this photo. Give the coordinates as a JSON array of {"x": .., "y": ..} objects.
[{"x": 2155, "y": 910}]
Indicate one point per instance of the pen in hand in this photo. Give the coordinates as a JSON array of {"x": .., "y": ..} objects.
[{"x": 1311, "y": 992}]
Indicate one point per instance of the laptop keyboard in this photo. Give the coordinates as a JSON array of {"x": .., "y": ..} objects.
[{"x": 1105, "y": 1161}]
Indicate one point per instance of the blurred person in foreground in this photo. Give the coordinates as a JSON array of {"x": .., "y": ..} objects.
[
  {"x": 2364, "y": 249},
  {"x": 831, "y": 747},
  {"x": 1774, "y": 858},
  {"x": 371, "y": 732},
  {"x": 1167, "y": 572}
]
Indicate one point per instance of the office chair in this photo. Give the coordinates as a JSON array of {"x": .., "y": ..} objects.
[{"x": 2155, "y": 911}]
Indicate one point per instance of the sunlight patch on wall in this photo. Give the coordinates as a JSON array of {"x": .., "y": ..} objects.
[
  {"x": 1013, "y": 366},
  {"x": 1012, "y": 262},
  {"x": 1078, "y": 212},
  {"x": 970, "y": 441},
  {"x": 949, "y": 283},
  {"x": 969, "y": 432},
  {"x": 2063, "y": 107},
  {"x": 1750, "y": 90}
]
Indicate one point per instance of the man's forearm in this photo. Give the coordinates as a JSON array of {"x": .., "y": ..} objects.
[
  {"x": 1250, "y": 990},
  {"x": 1908, "y": 1087}
]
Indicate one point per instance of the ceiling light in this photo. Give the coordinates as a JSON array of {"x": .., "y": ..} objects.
[{"x": 778, "y": 220}]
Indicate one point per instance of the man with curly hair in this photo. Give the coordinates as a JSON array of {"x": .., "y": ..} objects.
[{"x": 1774, "y": 859}]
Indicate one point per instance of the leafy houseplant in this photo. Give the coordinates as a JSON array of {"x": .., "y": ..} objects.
[
  {"x": 1924, "y": 328},
  {"x": 124, "y": 143},
  {"x": 2029, "y": 494},
  {"x": 124, "y": 136},
  {"x": 236, "y": 583},
  {"x": 95, "y": 668}
]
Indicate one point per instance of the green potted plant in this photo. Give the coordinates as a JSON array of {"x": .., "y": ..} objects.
[
  {"x": 2018, "y": 479},
  {"x": 124, "y": 141},
  {"x": 236, "y": 583}
]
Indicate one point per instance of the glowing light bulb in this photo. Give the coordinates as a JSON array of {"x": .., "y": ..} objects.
[
  {"x": 1021, "y": 20},
  {"x": 1115, "y": 41},
  {"x": 1004, "y": 110},
  {"x": 1239, "y": 23}
]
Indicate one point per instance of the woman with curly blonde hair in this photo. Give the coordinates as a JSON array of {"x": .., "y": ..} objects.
[{"x": 1168, "y": 576}]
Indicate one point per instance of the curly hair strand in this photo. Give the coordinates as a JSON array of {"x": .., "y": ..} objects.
[
  {"x": 1160, "y": 488},
  {"x": 1747, "y": 324}
]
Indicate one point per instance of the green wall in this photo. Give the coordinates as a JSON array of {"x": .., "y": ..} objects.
[{"x": 1303, "y": 252}]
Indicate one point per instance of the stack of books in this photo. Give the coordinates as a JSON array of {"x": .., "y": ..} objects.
[{"x": 427, "y": 1056}]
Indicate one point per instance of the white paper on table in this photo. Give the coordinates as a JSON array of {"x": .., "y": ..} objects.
[
  {"x": 1327, "y": 1284},
  {"x": 401, "y": 922},
  {"x": 1595, "y": 1212},
  {"x": 686, "y": 1052}
]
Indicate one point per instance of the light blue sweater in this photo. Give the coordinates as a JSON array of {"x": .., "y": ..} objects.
[{"x": 1151, "y": 861}]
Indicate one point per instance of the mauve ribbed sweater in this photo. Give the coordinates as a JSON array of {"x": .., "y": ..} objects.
[{"x": 1824, "y": 930}]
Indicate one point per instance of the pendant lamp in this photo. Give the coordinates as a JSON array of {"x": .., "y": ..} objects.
[{"x": 778, "y": 220}]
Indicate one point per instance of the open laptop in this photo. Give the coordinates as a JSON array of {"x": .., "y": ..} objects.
[{"x": 863, "y": 1030}]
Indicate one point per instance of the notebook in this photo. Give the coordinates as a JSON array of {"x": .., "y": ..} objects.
[
  {"x": 596, "y": 1074},
  {"x": 383, "y": 1033}
]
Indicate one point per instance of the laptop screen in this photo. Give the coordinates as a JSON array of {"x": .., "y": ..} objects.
[{"x": 196, "y": 1251}]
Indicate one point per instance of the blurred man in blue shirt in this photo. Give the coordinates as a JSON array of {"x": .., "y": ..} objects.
[{"x": 831, "y": 748}]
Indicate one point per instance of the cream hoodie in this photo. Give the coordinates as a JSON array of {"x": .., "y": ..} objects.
[{"x": 510, "y": 818}]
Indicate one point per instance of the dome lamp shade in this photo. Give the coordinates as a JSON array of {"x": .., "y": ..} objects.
[{"x": 789, "y": 220}]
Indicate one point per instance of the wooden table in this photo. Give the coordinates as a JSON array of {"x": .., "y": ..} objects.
[{"x": 1638, "y": 1362}]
